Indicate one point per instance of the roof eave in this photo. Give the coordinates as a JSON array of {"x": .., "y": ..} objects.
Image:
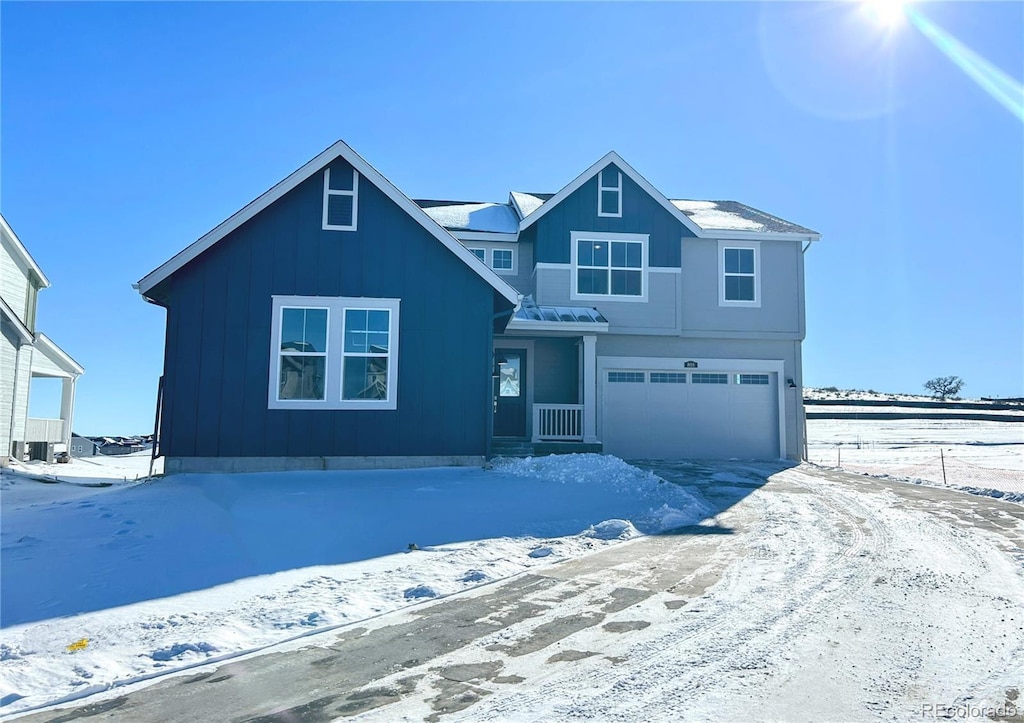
[
  {"x": 611, "y": 157},
  {"x": 23, "y": 253},
  {"x": 337, "y": 149}
]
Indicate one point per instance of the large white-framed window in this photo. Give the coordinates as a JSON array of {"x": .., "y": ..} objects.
[
  {"x": 331, "y": 352},
  {"x": 609, "y": 193},
  {"x": 609, "y": 265},
  {"x": 739, "y": 273},
  {"x": 341, "y": 201}
]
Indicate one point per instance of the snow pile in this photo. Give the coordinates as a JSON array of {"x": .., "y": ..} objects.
[
  {"x": 684, "y": 506},
  {"x": 110, "y": 585}
]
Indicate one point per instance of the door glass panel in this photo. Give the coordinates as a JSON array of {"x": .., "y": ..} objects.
[{"x": 509, "y": 383}]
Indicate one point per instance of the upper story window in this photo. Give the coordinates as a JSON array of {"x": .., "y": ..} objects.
[
  {"x": 341, "y": 200},
  {"x": 739, "y": 280},
  {"x": 502, "y": 260},
  {"x": 480, "y": 254},
  {"x": 609, "y": 265},
  {"x": 333, "y": 353},
  {"x": 609, "y": 193}
]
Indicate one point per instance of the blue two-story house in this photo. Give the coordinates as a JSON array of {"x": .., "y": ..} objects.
[{"x": 333, "y": 322}]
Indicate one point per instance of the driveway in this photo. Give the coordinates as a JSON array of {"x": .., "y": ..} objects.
[{"x": 817, "y": 595}]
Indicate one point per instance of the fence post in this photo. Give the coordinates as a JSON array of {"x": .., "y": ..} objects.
[{"x": 942, "y": 459}]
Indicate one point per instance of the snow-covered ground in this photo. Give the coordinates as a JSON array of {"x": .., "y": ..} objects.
[
  {"x": 976, "y": 456},
  {"x": 836, "y": 599},
  {"x": 107, "y": 585}
]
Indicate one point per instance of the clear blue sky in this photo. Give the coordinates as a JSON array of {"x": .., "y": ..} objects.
[{"x": 130, "y": 129}]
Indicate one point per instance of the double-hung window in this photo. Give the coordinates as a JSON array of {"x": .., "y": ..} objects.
[
  {"x": 609, "y": 192},
  {"x": 609, "y": 265},
  {"x": 739, "y": 281},
  {"x": 333, "y": 353}
]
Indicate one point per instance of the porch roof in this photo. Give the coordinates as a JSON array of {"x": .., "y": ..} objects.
[{"x": 531, "y": 317}]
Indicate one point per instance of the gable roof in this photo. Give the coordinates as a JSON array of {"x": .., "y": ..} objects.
[
  {"x": 21, "y": 253},
  {"x": 469, "y": 216},
  {"x": 342, "y": 150},
  {"x": 736, "y": 216},
  {"x": 610, "y": 157}
]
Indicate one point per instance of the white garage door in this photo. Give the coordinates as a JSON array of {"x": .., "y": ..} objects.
[{"x": 652, "y": 414}]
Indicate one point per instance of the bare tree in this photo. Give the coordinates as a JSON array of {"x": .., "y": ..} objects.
[{"x": 943, "y": 387}]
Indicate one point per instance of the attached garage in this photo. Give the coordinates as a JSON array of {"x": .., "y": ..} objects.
[{"x": 710, "y": 412}]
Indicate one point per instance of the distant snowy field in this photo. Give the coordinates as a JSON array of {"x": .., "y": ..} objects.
[
  {"x": 153, "y": 577},
  {"x": 978, "y": 456}
]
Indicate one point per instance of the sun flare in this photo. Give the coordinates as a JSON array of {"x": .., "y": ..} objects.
[{"x": 887, "y": 13}]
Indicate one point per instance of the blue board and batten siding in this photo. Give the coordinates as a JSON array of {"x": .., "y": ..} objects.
[
  {"x": 578, "y": 212},
  {"x": 218, "y": 358}
]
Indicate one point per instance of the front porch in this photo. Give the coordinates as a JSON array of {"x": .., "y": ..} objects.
[{"x": 545, "y": 397}]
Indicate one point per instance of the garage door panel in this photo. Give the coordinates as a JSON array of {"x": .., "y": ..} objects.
[{"x": 688, "y": 420}]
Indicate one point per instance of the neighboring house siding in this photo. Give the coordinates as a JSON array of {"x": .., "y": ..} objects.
[
  {"x": 14, "y": 284},
  {"x": 20, "y": 386},
  {"x": 217, "y": 360},
  {"x": 8, "y": 358},
  {"x": 578, "y": 212},
  {"x": 781, "y": 302}
]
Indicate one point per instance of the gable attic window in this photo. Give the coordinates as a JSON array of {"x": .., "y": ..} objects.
[
  {"x": 333, "y": 353},
  {"x": 609, "y": 193},
  {"x": 341, "y": 200}
]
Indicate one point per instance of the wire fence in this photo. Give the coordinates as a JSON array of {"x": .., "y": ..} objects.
[{"x": 930, "y": 464}]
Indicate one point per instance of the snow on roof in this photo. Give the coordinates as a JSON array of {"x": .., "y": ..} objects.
[
  {"x": 735, "y": 216},
  {"x": 529, "y": 202},
  {"x": 463, "y": 216}
]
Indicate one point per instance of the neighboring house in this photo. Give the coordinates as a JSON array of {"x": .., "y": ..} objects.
[
  {"x": 83, "y": 447},
  {"x": 116, "y": 447},
  {"x": 333, "y": 322},
  {"x": 26, "y": 353}
]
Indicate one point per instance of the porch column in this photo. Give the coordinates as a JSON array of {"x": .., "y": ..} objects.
[
  {"x": 590, "y": 389},
  {"x": 67, "y": 408}
]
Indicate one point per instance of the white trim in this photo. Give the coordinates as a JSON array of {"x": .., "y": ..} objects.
[
  {"x": 775, "y": 366},
  {"x": 664, "y": 270},
  {"x": 22, "y": 252},
  {"x": 338, "y": 149},
  {"x": 58, "y": 356},
  {"x": 334, "y": 355},
  {"x": 485, "y": 236},
  {"x": 551, "y": 265},
  {"x": 613, "y": 157},
  {"x": 353, "y": 194},
  {"x": 569, "y": 327},
  {"x": 601, "y": 188},
  {"x": 754, "y": 246},
  {"x": 509, "y": 271},
  {"x": 19, "y": 326},
  {"x": 724, "y": 233},
  {"x": 641, "y": 238}
]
